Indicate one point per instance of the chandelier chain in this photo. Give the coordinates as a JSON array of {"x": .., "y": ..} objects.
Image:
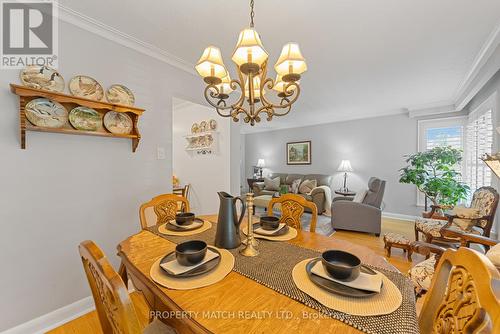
[{"x": 252, "y": 13}]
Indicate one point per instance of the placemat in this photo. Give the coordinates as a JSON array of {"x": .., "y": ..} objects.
[
  {"x": 164, "y": 230},
  {"x": 385, "y": 302},
  {"x": 291, "y": 234},
  {"x": 273, "y": 269},
  {"x": 222, "y": 270}
]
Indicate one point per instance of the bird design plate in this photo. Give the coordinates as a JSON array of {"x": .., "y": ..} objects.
[
  {"x": 118, "y": 122},
  {"x": 120, "y": 94},
  {"x": 195, "y": 128},
  {"x": 46, "y": 113},
  {"x": 87, "y": 87},
  {"x": 86, "y": 119},
  {"x": 213, "y": 124},
  {"x": 42, "y": 77},
  {"x": 203, "y": 126}
]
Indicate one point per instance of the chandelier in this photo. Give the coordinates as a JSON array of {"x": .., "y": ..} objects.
[{"x": 251, "y": 59}]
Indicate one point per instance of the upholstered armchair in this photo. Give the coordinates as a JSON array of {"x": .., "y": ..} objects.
[
  {"x": 478, "y": 219},
  {"x": 364, "y": 216},
  {"x": 421, "y": 274}
]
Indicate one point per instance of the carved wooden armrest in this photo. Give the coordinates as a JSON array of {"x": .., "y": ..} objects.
[
  {"x": 425, "y": 248},
  {"x": 468, "y": 238}
]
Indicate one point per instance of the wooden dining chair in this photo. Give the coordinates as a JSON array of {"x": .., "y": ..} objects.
[
  {"x": 292, "y": 209},
  {"x": 464, "y": 296},
  {"x": 115, "y": 309},
  {"x": 161, "y": 209}
]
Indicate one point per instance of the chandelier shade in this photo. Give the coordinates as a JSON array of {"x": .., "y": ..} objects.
[
  {"x": 249, "y": 49},
  {"x": 291, "y": 64},
  {"x": 210, "y": 66},
  {"x": 252, "y": 81}
]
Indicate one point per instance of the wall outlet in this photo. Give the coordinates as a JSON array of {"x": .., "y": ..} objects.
[{"x": 160, "y": 153}]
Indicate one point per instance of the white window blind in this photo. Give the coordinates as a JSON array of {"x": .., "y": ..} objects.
[{"x": 479, "y": 140}]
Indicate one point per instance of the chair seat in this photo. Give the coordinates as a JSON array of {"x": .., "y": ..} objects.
[
  {"x": 396, "y": 238},
  {"x": 421, "y": 274},
  {"x": 158, "y": 327},
  {"x": 433, "y": 227}
]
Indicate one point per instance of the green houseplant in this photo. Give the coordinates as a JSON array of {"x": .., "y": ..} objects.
[{"x": 434, "y": 173}]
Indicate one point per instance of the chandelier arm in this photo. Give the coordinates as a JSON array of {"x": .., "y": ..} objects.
[
  {"x": 212, "y": 92},
  {"x": 289, "y": 101},
  {"x": 241, "y": 100}
]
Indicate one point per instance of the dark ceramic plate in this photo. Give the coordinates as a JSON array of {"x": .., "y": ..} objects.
[
  {"x": 338, "y": 288},
  {"x": 204, "y": 268},
  {"x": 186, "y": 228},
  {"x": 282, "y": 231}
]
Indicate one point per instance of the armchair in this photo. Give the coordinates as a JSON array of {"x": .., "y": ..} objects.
[
  {"x": 484, "y": 200},
  {"x": 362, "y": 217}
]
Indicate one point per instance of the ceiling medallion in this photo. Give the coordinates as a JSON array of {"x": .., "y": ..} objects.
[{"x": 251, "y": 65}]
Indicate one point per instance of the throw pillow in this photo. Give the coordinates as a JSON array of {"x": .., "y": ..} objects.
[
  {"x": 307, "y": 186},
  {"x": 360, "y": 196},
  {"x": 466, "y": 212},
  {"x": 494, "y": 255},
  {"x": 295, "y": 186},
  {"x": 272, "y": 184}
]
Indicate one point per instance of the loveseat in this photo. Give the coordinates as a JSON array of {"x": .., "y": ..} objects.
[{"x": 317, "y": 196}]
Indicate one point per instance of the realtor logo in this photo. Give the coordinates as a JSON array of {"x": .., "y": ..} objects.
[{"x": 29, "y": 34}]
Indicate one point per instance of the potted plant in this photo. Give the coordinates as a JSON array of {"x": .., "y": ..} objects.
[{"x": 435, "y": 174}]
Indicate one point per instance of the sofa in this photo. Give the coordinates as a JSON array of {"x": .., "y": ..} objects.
[
  {"x": 317, "y": 196},
  {"x": 364, "y": 216}
]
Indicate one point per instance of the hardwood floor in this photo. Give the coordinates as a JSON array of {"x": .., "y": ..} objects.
[{"x": 89, "y": 323}]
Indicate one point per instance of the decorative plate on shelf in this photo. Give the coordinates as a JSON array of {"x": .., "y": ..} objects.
[
  {"x": 46, "y": 113},
  {"x": 120, "y": 94},
  {"x": 213, "y": 124},
  {"x": 42, "y": 77},
  {"x": 195, "y": 128},
  {"x": 203, "y": 126},
  {"x": 86, "y": 119},
  {"x": 118, "y": 122},
  {"x": 87, "y": 87}
]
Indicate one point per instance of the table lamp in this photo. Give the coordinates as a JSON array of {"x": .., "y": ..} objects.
[
  {"x": 345, "y": 167},
  {"x": 261, "y": 164}
]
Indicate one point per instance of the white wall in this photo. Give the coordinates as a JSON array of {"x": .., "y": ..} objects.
[
  {"x": 374, "y": 146},
  {"x": 64, "y": 189},
  {"x": 207, "y": 173}
]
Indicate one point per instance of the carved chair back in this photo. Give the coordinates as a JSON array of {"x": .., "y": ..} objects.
[
  {"x": 292, "y": 209},
  {"x": 161, "y": 209},
  {"x": 114, "y": 307},
  {"x": 464, "y": 296},
  {"x": 485, "y": 199}
]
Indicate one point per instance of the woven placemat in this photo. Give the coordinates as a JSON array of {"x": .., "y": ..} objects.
[
  {"x": 291, "y": 234},
  {"x": 222, "y": 270},
  {"x": 273, "y": 269},
  {"x": 164, "y": 230},
  {"x": 385, "y": 302}
]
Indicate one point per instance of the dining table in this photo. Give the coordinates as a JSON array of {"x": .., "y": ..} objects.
[{"x": 236, "y": 304}]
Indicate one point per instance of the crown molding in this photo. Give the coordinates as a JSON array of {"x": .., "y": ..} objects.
[
  {"x": 431, "y": 109},
  {"x": 87, "y": 23}
]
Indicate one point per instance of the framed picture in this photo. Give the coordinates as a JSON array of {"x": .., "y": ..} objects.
[{"x": 298, "y": 153}]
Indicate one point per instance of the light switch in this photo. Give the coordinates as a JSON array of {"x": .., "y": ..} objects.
[{"x": 160, "y": 153}]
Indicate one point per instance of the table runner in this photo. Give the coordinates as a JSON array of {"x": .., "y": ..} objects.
[{"x": 273, "y": 269}]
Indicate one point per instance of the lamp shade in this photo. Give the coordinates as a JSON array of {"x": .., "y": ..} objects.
[
  {"x": 290, "y": 61},
  {"x": 261, "y": 163},
  {"x": 210, "y": 65},
  {"x": 249, "y": 49},
  {"x": 256, "y": 88},
  {"x": 345, "y": 166},
  {"x": 279, "y": 85}
]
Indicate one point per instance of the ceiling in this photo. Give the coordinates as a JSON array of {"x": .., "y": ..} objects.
[{"x": 365, "y": 58}]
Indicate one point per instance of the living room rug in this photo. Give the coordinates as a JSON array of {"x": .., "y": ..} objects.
[{"x": 323, "y": 223}]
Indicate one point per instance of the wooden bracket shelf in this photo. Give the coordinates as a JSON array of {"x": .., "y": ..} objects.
[{"x": 26, "y": 94}]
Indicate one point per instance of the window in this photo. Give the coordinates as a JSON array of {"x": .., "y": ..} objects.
[
  {"x": 441, "y": 132},
  {"x": 479, "y": 140}
]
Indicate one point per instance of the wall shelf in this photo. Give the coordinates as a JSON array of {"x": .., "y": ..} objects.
[
  {"x": 202, "y": 148},
  {"x": 26, "y": 94}
]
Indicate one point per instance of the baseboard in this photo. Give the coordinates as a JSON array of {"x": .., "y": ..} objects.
[
  {"x": 398, "y": 216},
  {"x": 55, "y": 318}
]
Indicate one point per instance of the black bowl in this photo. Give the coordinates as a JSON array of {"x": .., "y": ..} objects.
[
  {"x": 341, "y": 265},
  {"x": 269, "y": 223},
  {"x": 190, "y": 252},
  {"x": 185, "y": 218}
]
